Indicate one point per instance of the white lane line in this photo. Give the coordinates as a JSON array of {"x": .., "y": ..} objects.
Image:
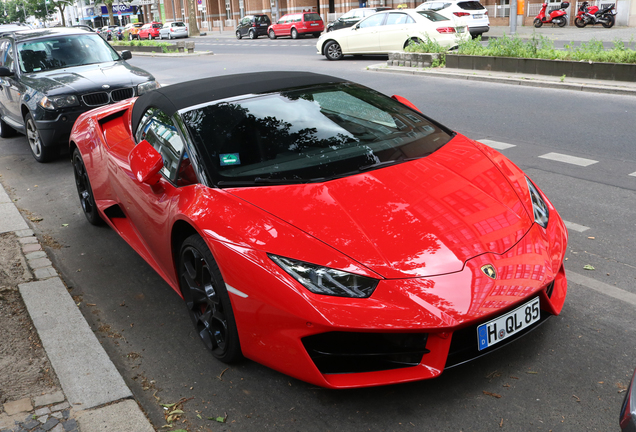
[
  {"x": 602, "y": 288},
  {"x": 496, "y": 144},
  {"x": 571, "y": 226},
  {"x": 633, "y": 174},
  {"x": 568, "y": 159}
]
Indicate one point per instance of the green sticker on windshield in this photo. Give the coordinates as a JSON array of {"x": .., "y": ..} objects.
[{"x": 230, "y": 159}]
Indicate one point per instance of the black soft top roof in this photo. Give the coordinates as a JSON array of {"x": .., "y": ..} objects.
[{"x": 175, "y": 97}]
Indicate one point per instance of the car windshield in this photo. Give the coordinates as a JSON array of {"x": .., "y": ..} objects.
[
  {"x": 64, "y": 51},
  {"x": 178, "y": 24},
  {"x": 433, "y": 16},
  {"x": 307, "y": 135}
]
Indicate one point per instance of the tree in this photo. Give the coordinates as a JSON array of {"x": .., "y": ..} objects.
[
  {"x": 61, "y": 5},
  {"x": 193, "y": 27},
  {"x": 109, "y": 8}
]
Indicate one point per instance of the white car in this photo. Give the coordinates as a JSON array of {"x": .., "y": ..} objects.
[
  {"x": 475, "y": 14},
  {"x": 173, "y": 30},
  {"x": 391, "y": 30}
]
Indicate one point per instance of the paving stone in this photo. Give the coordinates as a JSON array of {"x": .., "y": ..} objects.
[
  {"x": 70, "y": 425},
  {"x": 39, "y": 263},
  {"x": 66, "y": 413},
  {"x": 34, "y": 255},
  {"x": 42, "y": 411},
  {"x": 50, "y": 424},
  {"x": 31, "y": 248},
  {"x": 58, "y": 428},
  {"x": 31, "y": 424},
  {"x": 57, "y": 415},
  {"x": 45, "y": 273},
  {"x": 22, "y": 405},
  {"x": 28, "y": 240},
  {"x": 49, "y": 399},
  {"x": 43, "y": 419},
  {"x": 60, "y": 407},
  {"x": 24, "y": 233}
]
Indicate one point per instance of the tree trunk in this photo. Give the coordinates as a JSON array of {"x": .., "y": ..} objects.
[
  {"x": 111, "y": 18},
  {"x": 62, "y": 13},
  {"x": 193, "y": 26}
]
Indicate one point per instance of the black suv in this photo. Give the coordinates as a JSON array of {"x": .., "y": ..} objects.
[
  {"x": 253, "y": 26},
  {"x": 352, "y": 17},
  {"x": 48, "y": 77}
]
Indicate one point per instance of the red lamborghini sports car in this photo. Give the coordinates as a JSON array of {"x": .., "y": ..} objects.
[{"x": 321, "y": 228}]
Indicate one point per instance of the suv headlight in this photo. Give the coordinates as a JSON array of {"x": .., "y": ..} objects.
[
  {"x": 539, "y": 207},
  {"x": 57, "y": 102},
  {"x": 327, "y": 281},
  {"x": 146, "y": 87}
]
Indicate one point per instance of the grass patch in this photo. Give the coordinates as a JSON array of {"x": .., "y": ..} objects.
[{"x": 165, "y": 46}]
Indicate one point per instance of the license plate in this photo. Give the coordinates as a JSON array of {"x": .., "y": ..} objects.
[
  {"x": 501, "y": 328},
  {"x": 314, "y": 24},
  {"x": 476, "y": 16}
]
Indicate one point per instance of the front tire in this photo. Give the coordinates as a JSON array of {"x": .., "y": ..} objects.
[
  {"x": 294, "y": 33},
  {"x": 207, "y": 300},
  {"x": 579, "y": 22},
  {"x": 610, "y": 21},
  {"x": 272, "y": 35},
  {"x": 238, "y": 35},
  {"x": 537, "y": 23},
  {"x": 84, "y": 190},
  {"x": 333, "y": 51},
  {"x": 38, "y": 150}
]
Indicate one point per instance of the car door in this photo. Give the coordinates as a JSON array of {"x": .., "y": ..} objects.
[
  {"x": 244, "y": 25},
  {"x": 151, "y": 208},
  {"x": 395, "y": 31},
  {"x": 364, "y": 37},
  {"x": 12, "y": 88}
]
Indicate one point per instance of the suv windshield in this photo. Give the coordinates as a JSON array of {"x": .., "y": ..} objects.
[
  {"x": 64, "y": 51},
  {"x": 309, "y": 134}
]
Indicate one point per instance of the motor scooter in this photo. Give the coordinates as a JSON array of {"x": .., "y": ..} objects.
[
  {"x": 592, "y": 15},
  {"x": 557, "y": 16}
]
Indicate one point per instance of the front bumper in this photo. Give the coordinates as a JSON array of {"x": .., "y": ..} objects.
[{"x": 56, "y": 129}]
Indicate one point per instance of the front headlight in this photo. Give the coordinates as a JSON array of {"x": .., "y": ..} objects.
[
  {"x": 539, "y": 207},
  {"x": 57, "y": 102},
  {"x": 327, "y": 281},
  {"x": 146, "y": 87}
]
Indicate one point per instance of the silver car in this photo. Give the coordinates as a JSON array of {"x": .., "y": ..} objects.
[{"x": 172, "y": 30}]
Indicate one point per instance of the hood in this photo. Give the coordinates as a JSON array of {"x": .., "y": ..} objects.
[
  {"x": 86, "y": 79},
  {"x": 420, "y": 218}
]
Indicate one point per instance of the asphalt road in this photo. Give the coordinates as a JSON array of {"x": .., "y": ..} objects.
[{"x": 566, "y": 375}]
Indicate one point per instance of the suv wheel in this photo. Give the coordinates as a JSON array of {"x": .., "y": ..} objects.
[{"x": 39, "y": 152}]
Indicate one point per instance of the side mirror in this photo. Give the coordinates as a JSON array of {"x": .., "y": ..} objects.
[
  {"x": 126, "y": 55},
  {"x": 145, "y": 163},
  {"x": 405, "y": 101},
  {"x": 6, "y": 72}
]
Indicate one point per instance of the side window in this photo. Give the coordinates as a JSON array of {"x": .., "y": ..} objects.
[
  {"x": 396, "y": 18},
  {"x": 3, "y": 50},
  {"x": 159, "y": 130},
  {"x": 7, "y": 55},
  {"x": 373, "y": 20}
]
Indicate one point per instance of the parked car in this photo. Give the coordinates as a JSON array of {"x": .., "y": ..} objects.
[
  {"x": 352, "y": 17},
  {"x": 50, "y": 76},
  {"x": 297, "y": 25},
  {"x": 107, "y": 31},
  {"x": 391, "y": 31},
  {"x": 173, "y": 30},
  {"x": 133, "y": 30},
  {"x": 627, "y": 419},
  {"x": 253, "y": 26},
  {"x": 7, "y": 28},
  {"x": 323, "y": 229},
  {"x": 473, "y": 12},
  {"x": 149, "y": 31}
]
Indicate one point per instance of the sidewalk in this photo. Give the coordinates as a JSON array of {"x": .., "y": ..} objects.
[{"x": 93, "y": 395}]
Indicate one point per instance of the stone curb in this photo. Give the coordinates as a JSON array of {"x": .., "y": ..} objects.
[
  {"x": 95, "y": 397},
  {"x": 506, "y": 80}
]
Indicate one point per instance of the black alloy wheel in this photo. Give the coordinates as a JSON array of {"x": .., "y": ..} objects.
[
  {"x": 38, "y": 150},
  {"x": 610, "y": 20},
  {"x": 207, "y": 300},
  {"x": 253, "y": 34},
  {"x": 84, "y": 190}
]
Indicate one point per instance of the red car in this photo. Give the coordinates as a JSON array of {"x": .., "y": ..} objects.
[
  {"x": 321, "y": 228},
  {"x": 149, "y": 31},
  {"x": 296, "y": 25}
]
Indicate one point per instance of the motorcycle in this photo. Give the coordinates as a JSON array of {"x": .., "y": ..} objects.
[
  {"x": 557, "y": 16},
  {"x": 592, "y": 15}
]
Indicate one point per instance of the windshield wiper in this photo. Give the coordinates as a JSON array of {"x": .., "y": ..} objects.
[
  {"x": 380, "y": 165},
  {"x": 259, "y": 181}
]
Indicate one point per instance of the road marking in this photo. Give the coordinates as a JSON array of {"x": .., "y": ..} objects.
[
  {"x": 575, "y": 227},
  {"x": 568, "y": 159},
  {"x": 633, "y": 174},
  {"x": 496, "y": 144},
  {"x": 602, "y": 288}
]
